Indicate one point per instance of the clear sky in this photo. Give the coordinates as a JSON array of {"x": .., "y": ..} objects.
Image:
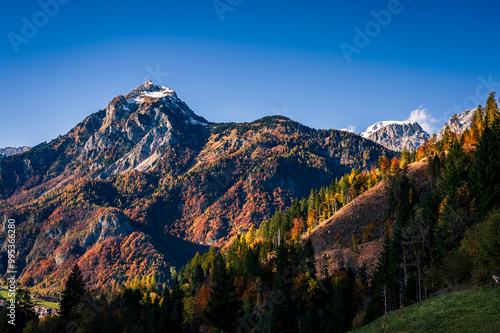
[{"x": 326, "y": 64}]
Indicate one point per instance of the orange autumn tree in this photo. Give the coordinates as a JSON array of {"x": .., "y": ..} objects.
[
  {"x": 394, "y": 166},
  {"x": 298, "y": 227},
  {"x": 311, "y": 220},
  {"x": 384, "y": 165}
]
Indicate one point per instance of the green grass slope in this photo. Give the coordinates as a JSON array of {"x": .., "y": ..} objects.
[
  {"x": 472, "y": 310},
  {"x": 5, "y": 293}
]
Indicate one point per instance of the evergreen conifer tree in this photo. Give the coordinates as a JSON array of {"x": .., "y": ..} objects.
[
  {"x": 456, "y": 168},
  {"x": 223, "y": 308},
  {"x": 279, "y": 314},
  {"x": 485, "y": 171},
  {"x": 73, "y": 292},
  {"x": 308, "y": 259},
  {"x": 176, "y": 308}
]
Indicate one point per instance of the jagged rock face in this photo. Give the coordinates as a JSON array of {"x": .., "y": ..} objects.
[
  {"x": 9, "y": 151},
  {"x": 397, "y": 135},
  {"x": 108, "y": 224},
  {"x": 458, "y": 123}
]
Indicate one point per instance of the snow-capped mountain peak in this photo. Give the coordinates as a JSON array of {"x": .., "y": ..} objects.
[
  {"x": 396, "y": 135},
  {"x": 379, "y": 125}
]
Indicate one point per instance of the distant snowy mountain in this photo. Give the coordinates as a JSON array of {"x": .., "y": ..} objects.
[
  {"x": 396, "y": 135},
  {"x": 377, "y": 126},
  {"x": 458, "y": 123},
  {"x": 9, "y": 151}
]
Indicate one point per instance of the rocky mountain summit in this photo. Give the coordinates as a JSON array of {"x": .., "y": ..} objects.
[
  {"x": 135, "y": 129},
  {"x": 396, "y": 135}
]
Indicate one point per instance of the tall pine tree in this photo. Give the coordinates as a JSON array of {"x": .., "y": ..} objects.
[
  {"x": 223, "y": 308},
  {"x": 279, "y": 314},
  {"x": 73, "y": 293},
  {"x": 485, "y": 172}
]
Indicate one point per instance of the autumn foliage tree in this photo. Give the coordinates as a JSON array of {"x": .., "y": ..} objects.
[
  {"x": 384, "y": 165},
  {"x": 394, "y": 166}
]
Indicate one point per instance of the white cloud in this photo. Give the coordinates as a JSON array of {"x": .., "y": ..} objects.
[
  {"x": 349, "y": 128},
  {"x": 424, "y": 119}
]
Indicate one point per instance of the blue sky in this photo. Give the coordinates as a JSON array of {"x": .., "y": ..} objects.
[{"x": 239, "y": 60}]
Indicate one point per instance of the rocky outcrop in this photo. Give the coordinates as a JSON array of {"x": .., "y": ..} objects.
[{"x": 111, "y": 223}]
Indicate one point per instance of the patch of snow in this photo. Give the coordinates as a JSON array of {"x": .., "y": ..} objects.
[
  {"x": 149, "y": 89},
  {"x": 196, "y": 122},
  {"x": 135, "y": 100},
  {"x": 164, "y": 92}
]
